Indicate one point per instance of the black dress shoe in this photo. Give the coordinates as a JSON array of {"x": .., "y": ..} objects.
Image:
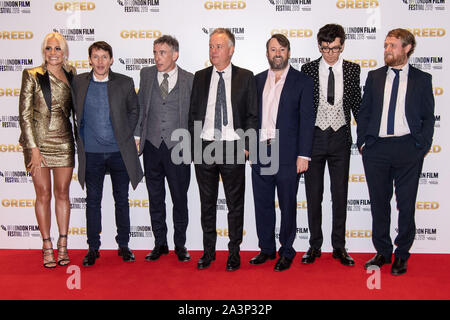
[
  {"x": 89, "y": 258},
  {"x": 398, "y": 267},
  {"x": 157, "y": 252},
  {"x": 343, "y": 256},
  {"x": 311, "y": 255},
  {"x": 205, "y": 261},
  {"x": 126, "y": 254},
  {"x": 233, "y": 262},
  {"x": 282, "y": 264},
  {"x": 378, "y": 260},
  {"x": 262, "y": 258},
  {"x": 182, "y": 253}
]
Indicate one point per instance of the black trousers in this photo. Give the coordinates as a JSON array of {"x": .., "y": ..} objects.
[
  {"x": 233, "y": 179},
  {"x": 332, "y": 148},
  {"x": 158, "y": 167},
  {"x": 392, "y": 162}
]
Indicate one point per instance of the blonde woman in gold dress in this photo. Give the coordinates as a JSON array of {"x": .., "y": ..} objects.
[{"x": 45, "y": 106}]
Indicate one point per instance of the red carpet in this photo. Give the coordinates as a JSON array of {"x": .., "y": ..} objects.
[{"x": 23, "y": 277}]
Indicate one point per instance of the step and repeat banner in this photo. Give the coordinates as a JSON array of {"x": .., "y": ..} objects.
[{"x": 131, "y": 26}]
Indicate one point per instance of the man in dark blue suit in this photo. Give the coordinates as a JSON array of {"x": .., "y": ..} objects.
[
  {"x": 286, "y": 123},
  {"x": 395, "y": 131}
]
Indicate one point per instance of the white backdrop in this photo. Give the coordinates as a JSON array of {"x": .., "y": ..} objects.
[{"x": 130, "y": 26}]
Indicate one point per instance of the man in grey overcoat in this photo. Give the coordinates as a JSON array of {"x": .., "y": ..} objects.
[{"x": 107, "y": 111}]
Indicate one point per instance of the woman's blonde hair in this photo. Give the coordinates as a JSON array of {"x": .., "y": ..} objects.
[{"x": 62, "y": 42}]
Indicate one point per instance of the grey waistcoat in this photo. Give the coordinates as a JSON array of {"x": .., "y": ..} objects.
[{"x": 164, "y": 116}]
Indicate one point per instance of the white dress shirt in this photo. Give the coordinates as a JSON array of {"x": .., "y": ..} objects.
[
  {"x": 401, "y": 126},
  {"x": 338, "y": 78},
  {"x": 228, "y": 132}
]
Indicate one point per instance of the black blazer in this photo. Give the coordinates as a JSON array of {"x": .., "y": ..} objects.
[
  {"x": 352, "y": 91},
  {"x": 419, "y": 107},
  {"x": 243, "y": 99}
]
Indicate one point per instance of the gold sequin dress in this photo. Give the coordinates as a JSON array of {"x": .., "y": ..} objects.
[{"x": 49, "y": 129}]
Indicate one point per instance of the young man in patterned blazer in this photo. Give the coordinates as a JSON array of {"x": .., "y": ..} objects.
[{"x": 336, "y": 92}]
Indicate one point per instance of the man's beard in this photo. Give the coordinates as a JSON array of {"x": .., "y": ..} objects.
[
  {"x": 391, "y": 61},
  {"x": 278, "y": 66}
]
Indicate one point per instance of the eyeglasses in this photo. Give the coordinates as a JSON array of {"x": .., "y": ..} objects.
[{"x": 328, "y": 49}]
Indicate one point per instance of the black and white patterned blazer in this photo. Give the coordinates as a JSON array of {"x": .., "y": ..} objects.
[{"x": 352, "y": 90}]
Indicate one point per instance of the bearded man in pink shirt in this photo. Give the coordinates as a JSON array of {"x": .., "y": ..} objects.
[{"x": 286, "y": 130}]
